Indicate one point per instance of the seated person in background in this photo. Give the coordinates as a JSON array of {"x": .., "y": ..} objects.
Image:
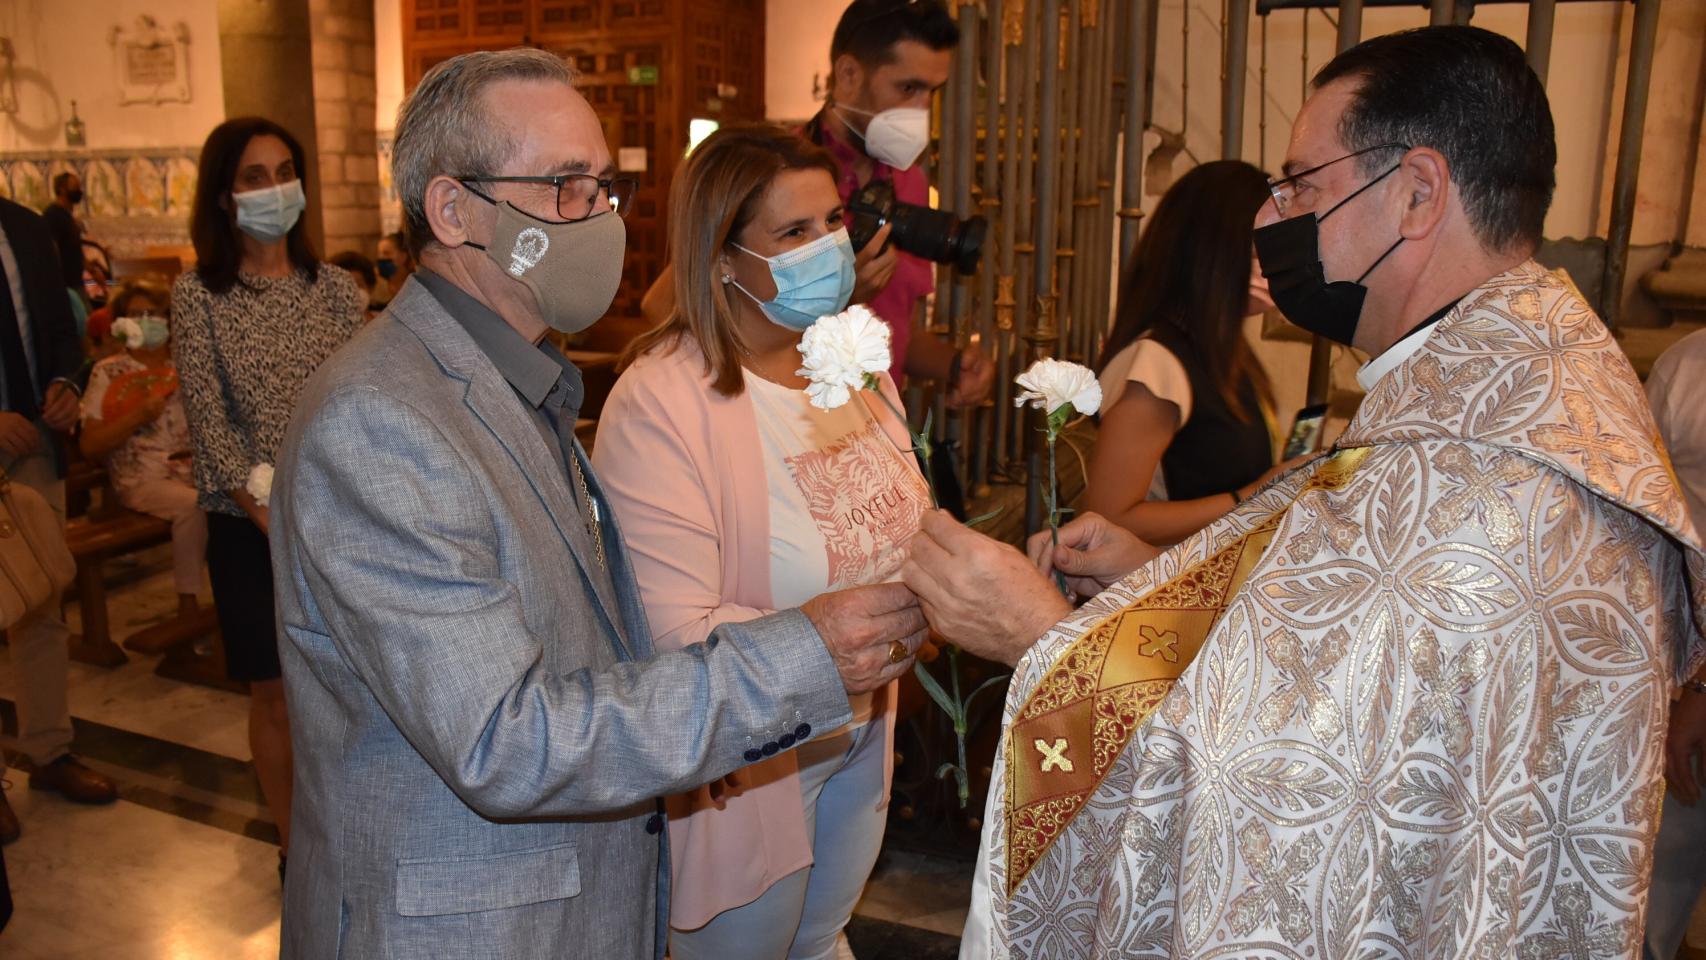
[
  {"x": 133, "y": 418},
  {"x": 362, "y": 271},
  {"x": 1186, "y": 405},
  {"x": 740, "y": 498},
  {"x": 394, "y": 263}
]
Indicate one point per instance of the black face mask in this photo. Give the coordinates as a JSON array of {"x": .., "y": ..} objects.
[
  {"x": 75, "y": 196},
  {"x": 1290, "y": 254}
]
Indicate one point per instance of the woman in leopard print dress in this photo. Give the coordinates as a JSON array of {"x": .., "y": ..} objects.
[{"x": 255, "y": 317}]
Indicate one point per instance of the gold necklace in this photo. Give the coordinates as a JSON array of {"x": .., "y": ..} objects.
[{"x": 593, "y": 526}]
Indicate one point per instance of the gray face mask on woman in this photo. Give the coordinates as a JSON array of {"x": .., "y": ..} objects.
[{"x": 572, "y": 269}]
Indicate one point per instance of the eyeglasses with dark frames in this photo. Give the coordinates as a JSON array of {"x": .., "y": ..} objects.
[
  {"x": 1284, "y": 191},
  {"x": 577, "y": 193}
]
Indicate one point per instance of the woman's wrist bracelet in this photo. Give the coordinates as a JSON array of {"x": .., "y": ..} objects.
[{"x": 1694, "y": 686}]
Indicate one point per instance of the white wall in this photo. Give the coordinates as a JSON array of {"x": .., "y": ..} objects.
[
  {"x": 62, "y": 54},
  {"x": 797, "y": 34}
]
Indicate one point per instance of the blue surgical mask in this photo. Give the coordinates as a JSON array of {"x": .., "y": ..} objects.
[
  {"x": 269, "y": 213},
  {"x": 812, "y": 281}
]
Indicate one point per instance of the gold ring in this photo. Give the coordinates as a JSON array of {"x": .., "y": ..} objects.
[{"x": 898, "y": 651}]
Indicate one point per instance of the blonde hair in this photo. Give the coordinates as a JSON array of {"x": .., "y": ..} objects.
[{"x": 714, "y": 196}]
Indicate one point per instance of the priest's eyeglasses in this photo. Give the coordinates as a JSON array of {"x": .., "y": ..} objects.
[
  {"x": 1290, "y": 188},
  {"x": 577, "y": 193}
]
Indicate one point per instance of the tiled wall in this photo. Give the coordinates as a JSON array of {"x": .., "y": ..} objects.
[{"x": 132, "y": 199}]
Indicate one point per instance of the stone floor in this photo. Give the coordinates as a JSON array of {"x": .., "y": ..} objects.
[{"x": 185, "y": 865}]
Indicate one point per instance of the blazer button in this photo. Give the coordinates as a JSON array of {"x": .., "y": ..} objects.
[
  {"x": 753, "y": 755},
  {"x": 802, "y": 731},
  {"x": 654, "y": 824},
  {"x": 770, "y": 749},
  {"x": 785, "y": 741}
]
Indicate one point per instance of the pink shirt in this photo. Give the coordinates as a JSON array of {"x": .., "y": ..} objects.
[
  {"x": 914, "y": 278},
  {"x": 684, "y": 469}
]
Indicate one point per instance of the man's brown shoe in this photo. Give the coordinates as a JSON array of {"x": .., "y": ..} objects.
[
  {"x": 74, "y": 782},
  {"x": 9, "y": 826}
]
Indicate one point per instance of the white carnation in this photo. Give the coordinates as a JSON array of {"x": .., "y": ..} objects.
[
  {"x": 260, "y": 483},
  {"x": 843, "y": 353},
  {"x": 127, "y": 330},
  {"x": 1050, "y": 384}
]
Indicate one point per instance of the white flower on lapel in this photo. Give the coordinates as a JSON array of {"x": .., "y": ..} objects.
[
  {"x": 529, "y": 249},
  {"x": 126, "y": 329},
  {"x": 1052, "y": 384},
  {"x": 843, "y": 353},
  {"x": 260, "y": 483}
]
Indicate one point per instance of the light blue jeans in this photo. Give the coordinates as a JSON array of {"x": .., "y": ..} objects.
[
  {"x": 798, "y": 918},
  {"x": 1679, "y": 876}
]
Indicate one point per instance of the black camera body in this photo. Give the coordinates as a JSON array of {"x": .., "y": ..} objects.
[{"x": 935, "y": 235}]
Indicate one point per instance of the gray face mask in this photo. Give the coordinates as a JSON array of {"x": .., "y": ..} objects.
[{"x": 572, "y": 269}]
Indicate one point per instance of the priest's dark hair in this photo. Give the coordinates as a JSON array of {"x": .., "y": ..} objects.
[
  {"x": 1191, "y": 271},
  {"x": 213, "y": 219},
  {"x": 869, "y": 29},
  {"x": 1470, "y": 94}
]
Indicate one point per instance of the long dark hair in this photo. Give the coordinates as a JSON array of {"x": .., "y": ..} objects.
[
  {"x": 1192, "y": 271},
  {"x": 213, "y": 222}
]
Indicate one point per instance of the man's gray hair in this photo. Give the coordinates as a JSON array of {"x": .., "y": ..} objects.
[{"x": 443, "y": 128}]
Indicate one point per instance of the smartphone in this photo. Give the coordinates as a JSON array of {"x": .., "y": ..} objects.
[{"x": 1305, "y": 434}]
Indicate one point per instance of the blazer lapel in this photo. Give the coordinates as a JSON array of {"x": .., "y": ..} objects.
[{"x": 495, "y": 405}]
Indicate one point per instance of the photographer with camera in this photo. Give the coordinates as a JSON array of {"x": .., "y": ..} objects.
[{"x": 888, "y": 58}]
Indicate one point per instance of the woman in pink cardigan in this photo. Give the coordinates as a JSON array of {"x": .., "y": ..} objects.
[{"x": 738, "y": 498}]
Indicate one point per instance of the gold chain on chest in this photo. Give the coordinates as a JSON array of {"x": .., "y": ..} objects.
[{"x": 590, "y": 516}]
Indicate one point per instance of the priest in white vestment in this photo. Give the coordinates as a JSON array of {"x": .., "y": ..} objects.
[{"x": 1409, "y": 700}]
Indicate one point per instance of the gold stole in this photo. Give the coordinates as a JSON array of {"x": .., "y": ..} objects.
[{"x": 1089, "y": 704}]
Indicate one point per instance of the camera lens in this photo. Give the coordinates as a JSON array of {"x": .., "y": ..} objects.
[{"x": 935, "y": 235}]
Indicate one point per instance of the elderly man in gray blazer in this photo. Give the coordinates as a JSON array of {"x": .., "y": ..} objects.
[{"x": 481, "y": 724}]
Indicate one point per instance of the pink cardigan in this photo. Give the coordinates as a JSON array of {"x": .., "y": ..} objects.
[{"x": 683, "y": 468}]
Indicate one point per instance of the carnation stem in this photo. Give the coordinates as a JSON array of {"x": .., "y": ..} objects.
[
  {"x": 920, "y": 444},
  {"x": 1054, "y": 514}
]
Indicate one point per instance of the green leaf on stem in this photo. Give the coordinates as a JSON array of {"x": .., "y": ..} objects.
[
  {"x": 936, "y": 692},
  {"x": 985, "y": 517}
]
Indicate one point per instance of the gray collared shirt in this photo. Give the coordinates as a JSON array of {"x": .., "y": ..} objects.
[{"x": 541, "y": 376}]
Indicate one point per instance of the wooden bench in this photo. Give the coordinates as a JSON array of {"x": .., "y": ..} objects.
[{"x": 94, "y": 538}]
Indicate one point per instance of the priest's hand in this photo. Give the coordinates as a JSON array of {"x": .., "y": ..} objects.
[
  {"x": 872, "y": 632},
  {"x": 980, "y": 594},
  {"x": 1093, "y": 553},
  {"x": 1685, "y": 746}
]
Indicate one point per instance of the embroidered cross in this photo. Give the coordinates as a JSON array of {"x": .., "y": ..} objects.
[
  {"x": 1303, "y": 683},
  {"x": 1442, "y": 392},
  {"x": 1330, "y": 524},
  {"x": 1274, "y": 896},
  {"x": 1555, "y": 707},
  {"x": 1599, "y": 452},
  {"x": 1161, "y": 645},
  {"x": 1575, "y": 931},
  {"x": 1478, "y": 493},
  {"x": 1620, "y": 556},
  {"x": 1054, "y": 755},
  {"x": 1438, "y": 708},
  {"x": 1397, "y": 872}
]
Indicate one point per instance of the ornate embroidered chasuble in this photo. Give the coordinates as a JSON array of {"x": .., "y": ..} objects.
[
  {"x": 1092, "y": 700},
  {"x": 1427, "y": 722}
]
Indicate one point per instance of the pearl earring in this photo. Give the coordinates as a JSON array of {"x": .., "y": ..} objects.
[{"x": 728, "y": 279}]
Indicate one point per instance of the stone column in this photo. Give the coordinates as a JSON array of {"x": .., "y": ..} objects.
[
  {"x": 265, "y": 74},
  {"x": 326, "y": 99},
  {"x": 344, "y": 95}
]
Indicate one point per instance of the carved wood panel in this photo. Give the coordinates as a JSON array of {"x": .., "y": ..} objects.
[{"x": 708, "y": 57}]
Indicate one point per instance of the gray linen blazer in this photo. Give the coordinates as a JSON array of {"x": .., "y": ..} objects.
[{"x": 481, "y": 727}]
